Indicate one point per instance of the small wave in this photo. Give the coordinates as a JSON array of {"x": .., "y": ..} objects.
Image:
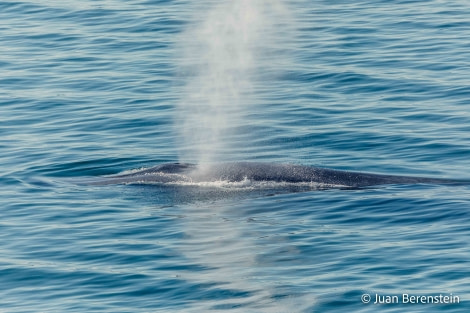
[{"x": 245, "y": 184}]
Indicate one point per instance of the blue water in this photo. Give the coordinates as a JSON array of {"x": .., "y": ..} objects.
[{"x": 90, "y": 88}]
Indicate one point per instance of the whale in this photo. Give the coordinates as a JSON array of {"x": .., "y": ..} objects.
[{"x": 259, "y": 172}]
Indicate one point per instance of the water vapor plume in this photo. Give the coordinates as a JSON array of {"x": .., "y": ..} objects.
[{"x": 221, "y": 53}]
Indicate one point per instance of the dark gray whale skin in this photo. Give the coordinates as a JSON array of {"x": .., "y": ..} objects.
[{"x": 257, "y": 171}]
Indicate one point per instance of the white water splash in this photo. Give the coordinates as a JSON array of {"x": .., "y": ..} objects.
[{"x": 221, "y": 53}]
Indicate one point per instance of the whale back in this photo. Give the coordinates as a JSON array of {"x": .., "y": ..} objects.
[{"x": 261, "y": 172}]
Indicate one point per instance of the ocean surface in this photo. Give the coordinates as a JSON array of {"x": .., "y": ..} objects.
[{"x": 94, "y": 88}]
